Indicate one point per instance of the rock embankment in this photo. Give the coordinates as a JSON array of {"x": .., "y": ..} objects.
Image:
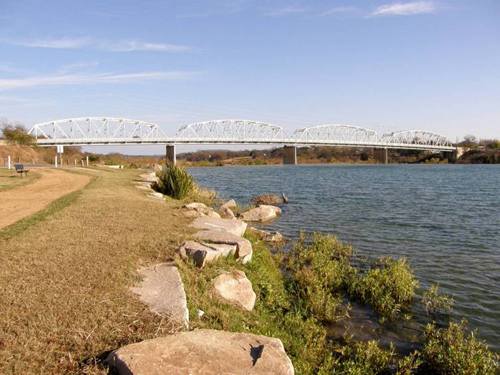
[{"x": 203, "y": 351}]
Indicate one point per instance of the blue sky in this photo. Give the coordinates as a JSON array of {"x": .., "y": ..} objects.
[{"x": 431, "y": 65}]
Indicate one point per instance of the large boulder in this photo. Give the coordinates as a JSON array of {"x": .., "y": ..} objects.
[
  {"x": 261, "y": 213},
  {"x": 233, "y": 226},
  {"x": 243, "y": 246},
  {"x": 202, "y": 254},
  {"x": 204, "y": 352},
  {"x": 235, "y": 288},
  {"x": 162, "y": 290}
]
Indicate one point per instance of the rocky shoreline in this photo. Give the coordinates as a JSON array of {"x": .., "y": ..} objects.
[
  {"x": 218, "y": 234},
  {"x": 224, "y": 285}
]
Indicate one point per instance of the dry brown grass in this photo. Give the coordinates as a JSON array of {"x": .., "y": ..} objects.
[{"x": 64, "y": 279}]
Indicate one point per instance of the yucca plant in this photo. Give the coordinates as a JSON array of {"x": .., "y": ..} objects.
[{"x": 174, "y": 182}]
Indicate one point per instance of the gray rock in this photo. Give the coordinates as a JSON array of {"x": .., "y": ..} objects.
[
  {"x": 204, "y": 352},
  {"x": 200, "y": 253},
  {"x": 235, "y": 288},
  {"x": 162, "y": 290},
  {"x": 261, "y": 214},
  {"x": 224, "y": 249},
  {"x": 243, "y": 246},
  {"x": 234, "y": 226}
]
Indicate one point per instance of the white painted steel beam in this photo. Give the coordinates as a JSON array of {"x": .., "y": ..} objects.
[{"x": 119, "y": 131}]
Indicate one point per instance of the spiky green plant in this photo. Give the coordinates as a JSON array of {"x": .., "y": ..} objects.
[{"x": 174, "y": 182}]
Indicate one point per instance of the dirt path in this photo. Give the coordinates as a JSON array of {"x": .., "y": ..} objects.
[{"x": 18, "y": 203}]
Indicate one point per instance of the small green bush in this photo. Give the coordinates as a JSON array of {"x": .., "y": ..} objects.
[
  {"x": 388, "y": 286},
  {"x": 364, "y": 358},
  {"x": 434, "y": 302},
  {"x": 174, "y": 182},
  {"x": 317, "y": 269},
  {"x": 453, "y": 351}
]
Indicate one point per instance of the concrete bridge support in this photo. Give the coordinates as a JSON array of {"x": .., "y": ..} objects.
[
  {"x": 456, "y": 154},
  {"x": 290, "y": 155},
  {"x": 170, "y": 155},
  {"x": 381, "y": 155}
]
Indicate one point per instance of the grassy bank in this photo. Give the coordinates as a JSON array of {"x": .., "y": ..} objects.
[{"x": 64, "y": 277}]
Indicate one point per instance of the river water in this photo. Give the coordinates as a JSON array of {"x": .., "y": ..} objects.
[{"x": 445, "y": 219}]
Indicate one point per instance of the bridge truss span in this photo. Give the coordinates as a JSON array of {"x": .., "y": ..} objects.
[
  {"x": 337, "y": 134},
  {"x": 112, "y": 130},
  {"x": 230, "y": 131},
  {"x": 417, "y": 138},
  {"x": 88, "y": 130}
]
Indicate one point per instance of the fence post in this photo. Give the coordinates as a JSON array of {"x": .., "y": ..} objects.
[
  {"x": 8, "y": 162},
  {"x": 87, "y": 158},
  {"x": 55, "y": 161}
]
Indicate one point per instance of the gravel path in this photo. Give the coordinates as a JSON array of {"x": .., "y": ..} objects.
[{"x": 18, "y": 203}]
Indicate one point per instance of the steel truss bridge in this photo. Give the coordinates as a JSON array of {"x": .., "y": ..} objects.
[{"x": 121, "y": 131}]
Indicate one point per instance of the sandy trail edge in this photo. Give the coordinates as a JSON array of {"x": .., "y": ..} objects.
[{"x": 18, "y": 203}]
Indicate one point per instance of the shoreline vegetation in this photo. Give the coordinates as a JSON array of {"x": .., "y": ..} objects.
[
  {"x": 304, "y": 289},
  {"x": 65, "y": 278}
]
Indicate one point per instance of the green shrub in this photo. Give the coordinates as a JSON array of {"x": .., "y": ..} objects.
[
  {"x": 453, "y": 351},
  {"x": 316, "y": 268},
  {"x": 434, "y": 302},
  {"x": 389, "y": 286},
  {"x": 174, "y": 182},
  {"x": 364, "y": 358}
]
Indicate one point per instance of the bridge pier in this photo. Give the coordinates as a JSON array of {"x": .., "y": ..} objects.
[
  {"x": 290, "y": 155},
  {"x": 170, "y": 156},
  {"x": 381, "y": 155}
]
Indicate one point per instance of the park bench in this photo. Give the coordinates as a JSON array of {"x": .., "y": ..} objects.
[{"x": 20, "y": 169}]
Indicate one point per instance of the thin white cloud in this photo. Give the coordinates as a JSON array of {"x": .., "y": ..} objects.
[
  {"x": 405, "y": 9},
  {"x": 338, "y": 10},
  {"x": 105, "y": 45},
  {"x": 89, "y": 79},
  {"x": 132, "y": 45},
  {"x": 290, "y": 10}
]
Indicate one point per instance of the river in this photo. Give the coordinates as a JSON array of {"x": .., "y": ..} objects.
[{"x": 445, "y": 219}]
